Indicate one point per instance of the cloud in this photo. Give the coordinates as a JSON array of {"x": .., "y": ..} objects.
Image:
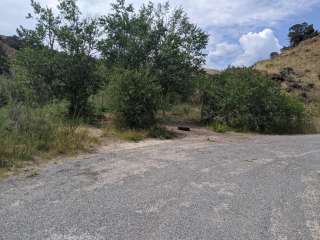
[
  {"x": 257, "y": 46},
  {"x": 206, "y": 13},
  {"x": 223, "y": 49},
  {"x": 225, "y": 13},
  {"x": 251, "y": 47},
  {"x": 222, "y": 54}
]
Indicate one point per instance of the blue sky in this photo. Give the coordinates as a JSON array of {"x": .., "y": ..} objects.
[{"x": 241, "y": 31}]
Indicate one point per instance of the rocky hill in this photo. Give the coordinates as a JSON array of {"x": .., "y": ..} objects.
[
  {"x": 298, "y": 69},
  {"x": 9, "y": 45}
]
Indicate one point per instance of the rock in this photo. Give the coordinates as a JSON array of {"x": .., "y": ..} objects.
[{"x": 186, "y": 129}]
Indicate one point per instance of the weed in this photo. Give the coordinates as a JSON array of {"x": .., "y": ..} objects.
[
  {"x": 124, "y": 134},
  {"x": 133, "y": 135},
  {"x": 219, "y": 127},
  {"x": 160, "y": 133}
]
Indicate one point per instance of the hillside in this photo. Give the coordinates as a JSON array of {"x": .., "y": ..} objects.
[
  {"x": 9, "y": 45},
  {"x": 211, "y": 71},
  {"x": 298, "y": 69}
]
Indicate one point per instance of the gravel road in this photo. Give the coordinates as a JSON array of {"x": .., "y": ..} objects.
[{"x": 203, "y": 186}]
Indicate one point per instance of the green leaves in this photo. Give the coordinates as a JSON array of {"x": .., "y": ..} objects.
[
  {"x": 301, "y": 32},
  {"x": 135, "y": 97},
  {"x": 60, "y": 56},
  {"x": 58, "y": 61},
  {"x": 154, "y": 38},
  {"x": 248, "y": 100}
]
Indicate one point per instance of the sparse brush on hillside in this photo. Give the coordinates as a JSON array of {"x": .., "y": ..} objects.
[
  {"x": 297, "y": 67},
  {"x": 301, "y": 32},
  {"x": 245, "y": 99}
]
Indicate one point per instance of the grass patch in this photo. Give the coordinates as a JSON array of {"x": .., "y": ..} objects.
[
  {"x": 124, "y": 134},
  {"x": 220, "y": 127},
  {"x": 133, "y": 135},
  {"x": 160, "y": 133},
  {"x": 186, "y": 113}
]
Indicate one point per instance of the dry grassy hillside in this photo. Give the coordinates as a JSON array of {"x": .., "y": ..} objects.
[
  {"x": 298, "y": 69},
  {"x": 9, "y": 45},
  {"x": 211, "y": 71}
]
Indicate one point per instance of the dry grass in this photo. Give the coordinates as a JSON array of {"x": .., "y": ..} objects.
[
  {"x": 182, "y": 113},
  {"x": 211, "y": 71},
  {"x": 304, "y": 59},
  {"x": 71, "y": 140},
  {"x": 124, "y": 134},
  {"x": 112, "y": 130},
  {"x": 65, "y": 140},
  {"x": 28, "y": 133}
]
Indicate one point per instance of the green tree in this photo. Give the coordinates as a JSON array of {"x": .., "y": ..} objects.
[
  {"x": 301, "y": 32},
  {"x": 180, "y": 55},
  {"x": 59, "y": 55},
  {"x": 156, "y": 38}
]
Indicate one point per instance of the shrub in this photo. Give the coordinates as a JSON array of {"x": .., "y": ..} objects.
[
  {"x": 245, "y": 99},
  {"x": 274, "y": 55},
  {"x": 135, "y": 98}
]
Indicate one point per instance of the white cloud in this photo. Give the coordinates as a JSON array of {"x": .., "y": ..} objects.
[
  {"x": 252, "y": 47},
  {"x": 223, "y": 49},
  {"x": 222, "y": 54},
  {"x": 257, "y": 46}
]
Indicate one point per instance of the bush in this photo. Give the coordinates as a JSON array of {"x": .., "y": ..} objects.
[
  {"x": 135, "y": 98},
  {"x": 245, "y": 99},
  {"x": 274, "y": 55}
]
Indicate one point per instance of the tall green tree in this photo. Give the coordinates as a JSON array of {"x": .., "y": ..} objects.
[
  {"x": 59, "y": 54},
  {"x": 301, "y": 32},
  {"x": 156, "y": 38}
]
